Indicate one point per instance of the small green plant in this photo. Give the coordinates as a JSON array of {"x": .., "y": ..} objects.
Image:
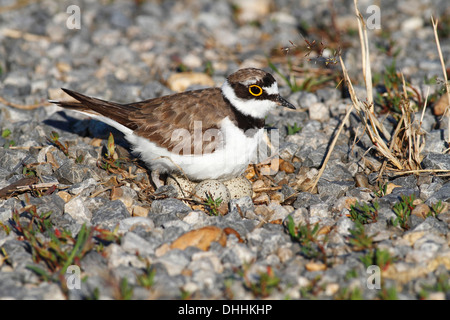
[
  {"x": 380, "y": 258},
  {"x": 351, "y": 274},
  {"x": 289, "y": 81},
  {"x": 313, "y": 289},
  {"x": 28, "y": 172},
  {"x": 307, "y": 236},
  {"x": 6, "y": 133},
  {"x": 349, "y": 294},
  {"x": 442, "y": 285},
  {"x": 111, "y": 148},
  {"x": 185, "y": 295},
  {"x": 382, "y": 190},
  {"x": 213, "y": 205},
  {"x": 402, "y": 210},
  {"x": 147, "y": 279},
  {"x": 309, "y": 84},
  {"x": 125, "y": 290},
  {"x": 209, "y": 69},
  {"x": 54, "y": 139},
  {"x": 8, "y": 143},
  {"x": 267, "y": 282},
  {"x": 364, "y": 213},
  {"x": 291, "y": 130},
  {"x": 359, "y": 239},
  {"x": 388, "y": 294},
  {"x": 393, "y": 98},
  {"x": 436, "y": 209},
  {"x": 79, "y": 159},
  {"x": 5, "y": 227},
  {"x": 262, "y": 287},
  {"x": 56, "y": 248}
]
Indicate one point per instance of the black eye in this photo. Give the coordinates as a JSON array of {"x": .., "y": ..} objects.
[{"x": 255, "y": 90}]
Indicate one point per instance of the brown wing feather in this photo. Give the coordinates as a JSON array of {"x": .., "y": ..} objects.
[{"x": 159, "y": 119}]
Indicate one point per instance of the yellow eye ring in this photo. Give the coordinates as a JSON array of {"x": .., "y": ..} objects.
[{"x": 258, "y": 90}]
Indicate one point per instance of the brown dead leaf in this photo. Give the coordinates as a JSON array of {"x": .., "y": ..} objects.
[
  {"x": 200, "y": 238},
  {"x": 441, "y": 105},
  {"x": 286, "y": 166},
  {"x": 232, "y": 231},
  {"x": 315, "y": 266}
]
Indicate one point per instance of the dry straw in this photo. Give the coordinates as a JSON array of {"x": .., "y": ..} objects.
[{"x": 401, "y": 151}]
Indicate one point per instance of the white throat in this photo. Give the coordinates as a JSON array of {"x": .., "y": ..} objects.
[{"x": 253, "y": 107}]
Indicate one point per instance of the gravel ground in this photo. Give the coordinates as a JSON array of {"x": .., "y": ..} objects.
[{"x": 93, "y": 227}]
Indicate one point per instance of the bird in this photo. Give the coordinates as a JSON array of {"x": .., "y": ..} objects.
[{"x": 210, "y": 133}]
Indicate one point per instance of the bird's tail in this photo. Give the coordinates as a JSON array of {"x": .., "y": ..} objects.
[{"x": 98, "y": 108}]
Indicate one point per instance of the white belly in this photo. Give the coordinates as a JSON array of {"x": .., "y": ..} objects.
[{"x": 230, "y": 161}]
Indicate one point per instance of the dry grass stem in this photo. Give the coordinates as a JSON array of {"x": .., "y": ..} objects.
[
  {"x": 444, "y": 71},
  {"x": 330, "y": 150},
  {"x": 23, "y": 106}
]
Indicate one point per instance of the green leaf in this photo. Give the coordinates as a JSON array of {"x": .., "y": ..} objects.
[{"x": 6, "y": 133}]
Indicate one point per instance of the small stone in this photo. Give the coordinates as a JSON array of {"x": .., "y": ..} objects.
[
  {"x": 242, "y": 205},
  {"x": 138, "y": 211},
  {"x": 277, "y": 197},
  {"x": 284, "y": 254},
  {"x": 421, "y": 210},
  {"x": 129, "y": 224},
  {"x": 162, "y": 250},
  {"x": 259, "y": 184},
  {"x": 331, "y": 289},
  {"x": 315, "y": 266},
  {"x": 167, "y": 206},
  {"x": 362, "y": 181},
  {"x": 179, "y": 82},
  {"x": 71, "y": 173},
  {"x": 262, "y": 198},
  {"x": 252, "y": 10},
  {"x": 174, "y": 261},
  {"x": 439, "y": 161},
  {"x": 436, "y": 296},
  {"x": 133, "y": 243},
  {"x": 412, "y": 24},
  {"x": 78, "y": 211},
  {"x": 319, "y": 210},
  {"x": 64, "y": 195},
  {"x": 319, "y": 111},
  {"x": 109, "y": 215},
  {"x": 195, "y": 218}
]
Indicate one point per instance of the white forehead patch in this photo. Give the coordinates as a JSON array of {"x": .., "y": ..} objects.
[
  {"x": 273, "y": 89},
  {"x": 249, "y": 82}
]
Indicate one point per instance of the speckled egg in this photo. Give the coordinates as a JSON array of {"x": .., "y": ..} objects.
[
  {"x": 239, "y": 187},
  {"x": 215, "y": 187},
  {"x": 183, "y": 186}
]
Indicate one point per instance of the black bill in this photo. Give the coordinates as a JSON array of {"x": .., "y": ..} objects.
[{"x": 283, "y": 102}]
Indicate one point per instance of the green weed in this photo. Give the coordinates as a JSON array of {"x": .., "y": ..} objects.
[
  {"x": 402, "y": 210},
  {"x": 380, "y": 258},
  {"x": 291, "y": 130},
  {"x": 364, "y": 213},
  {"x": 307, "y": 236},
  {"x": 359, "y": 239}
]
